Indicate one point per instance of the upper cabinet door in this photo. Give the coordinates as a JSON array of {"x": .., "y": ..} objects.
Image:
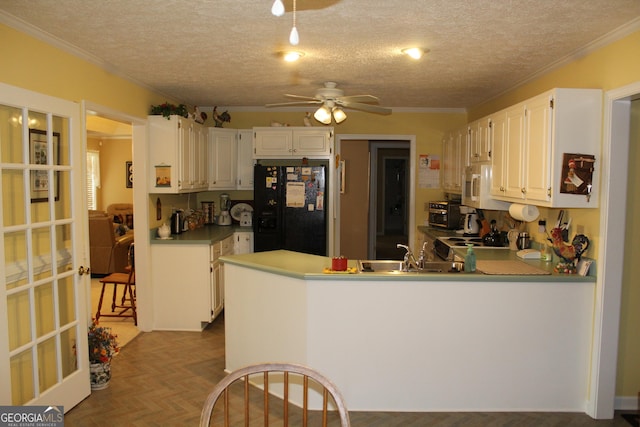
[
  {"x": 222, "y": 147},
  {"x": 537, "y": 150},
  {"x": 513, "y": 177},
  {"x": 298, "y": 142},
  {"x": 245, "y": 160},
  {"x": 270, "y": 143}
]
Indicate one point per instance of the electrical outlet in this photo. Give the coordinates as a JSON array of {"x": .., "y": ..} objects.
[
  {"x": 542, "y": 226},
  {"x": 579, "y": 229}
]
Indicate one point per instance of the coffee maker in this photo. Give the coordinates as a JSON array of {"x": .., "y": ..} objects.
[{"x": 225, "y": 206}]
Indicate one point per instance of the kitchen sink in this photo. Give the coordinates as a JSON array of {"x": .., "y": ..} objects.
[{"x": 397, "y": 267}]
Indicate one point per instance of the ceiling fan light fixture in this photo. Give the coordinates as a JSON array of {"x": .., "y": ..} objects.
[
  {"x": 278, "y": 8},
  {"x": 414, "y": 52},
  {"x": 292, "y": 55},
  {"x": 339, "y": 115},
  {"x": 323, "y": 115}
]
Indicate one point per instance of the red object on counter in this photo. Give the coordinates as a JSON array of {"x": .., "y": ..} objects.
[{"x": 339, "y": 263}]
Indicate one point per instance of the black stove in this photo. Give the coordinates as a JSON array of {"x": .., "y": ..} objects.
[{"x": 444, "y": 245}]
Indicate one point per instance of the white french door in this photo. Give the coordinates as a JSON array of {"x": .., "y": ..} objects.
[{"x": 43, "y": 303}]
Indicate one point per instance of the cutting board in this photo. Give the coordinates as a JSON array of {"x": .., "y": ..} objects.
[{"x": 508, "y": 268}]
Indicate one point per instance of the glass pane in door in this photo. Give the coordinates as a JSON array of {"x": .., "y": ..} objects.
[
  {"x": 41, "y": 253},
  {"x": 22, "y": 389},
  {"x": 16, "y": 263},
  {"x": 19, "y": 319},
  {"x": 47, "y": 364},
  {"x": 13, "y": 195},
  {"x": 11, "y": 134}
]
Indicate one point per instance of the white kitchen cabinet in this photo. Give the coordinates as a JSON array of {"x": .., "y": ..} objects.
[
  {"x": 298, "y": 142},
  {"x": 498, "y": 138},
  {"x": 480, "y": 140},
  {"x": 536, "y": 134},
  {"x": 222, "y": 158},
  {"x": 188, "y": 284},
  {"x": 513, "y": 154},
  {"x": 184, "y": 286},
  {"x": 245, "y": 160},
  {"x": 175, "y": 151},
  {"x": 200, "y": 157},
  {"x": 454, "y": 160},
  {"x": 243, "y": 242}
]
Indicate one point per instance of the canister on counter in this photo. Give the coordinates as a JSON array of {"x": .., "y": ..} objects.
[{"x": 339, "y": 263}]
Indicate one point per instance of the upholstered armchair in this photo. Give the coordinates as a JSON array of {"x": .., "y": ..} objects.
[
  {"x": 107, "y": 249},
  {"x": 123, "y": 212}
]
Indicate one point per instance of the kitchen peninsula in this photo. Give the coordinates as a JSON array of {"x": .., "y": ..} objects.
[{"x": 415, "y": 342}]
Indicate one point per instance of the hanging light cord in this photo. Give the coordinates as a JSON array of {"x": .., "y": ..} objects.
[{"x": 293, "y": 37}]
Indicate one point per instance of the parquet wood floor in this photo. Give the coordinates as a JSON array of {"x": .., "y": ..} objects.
[{"x": 162, "y": 379}]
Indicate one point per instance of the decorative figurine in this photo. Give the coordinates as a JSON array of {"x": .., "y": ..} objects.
[
  {"x": 569, "y": 253},
  {"x": 220, "y": 118}
]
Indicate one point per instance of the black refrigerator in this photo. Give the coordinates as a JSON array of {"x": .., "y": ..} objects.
[{"x": 289, "y": 209}]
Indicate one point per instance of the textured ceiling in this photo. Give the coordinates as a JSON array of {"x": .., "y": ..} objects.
[{"x": 225, "y": 52}]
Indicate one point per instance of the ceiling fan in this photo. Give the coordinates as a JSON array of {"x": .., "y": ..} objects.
[{"x": 333, "y": 100}]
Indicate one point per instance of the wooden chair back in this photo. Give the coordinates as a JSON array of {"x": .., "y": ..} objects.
[{"x": 289, "y": 393}]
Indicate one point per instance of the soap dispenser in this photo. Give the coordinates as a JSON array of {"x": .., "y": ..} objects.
[{"x": 470, "y": 260}]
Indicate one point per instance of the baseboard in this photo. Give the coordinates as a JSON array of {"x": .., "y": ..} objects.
[{"x": 626, "y": 403}]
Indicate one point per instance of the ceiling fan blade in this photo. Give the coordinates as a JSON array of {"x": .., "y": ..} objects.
[
  {"x": 302, "y": 97},
  {"x": 285, "y": 104},
  {"x": 368, "y": 99},
  {"x": 366, "y": 107}
]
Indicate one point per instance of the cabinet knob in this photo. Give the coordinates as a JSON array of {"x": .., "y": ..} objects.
[{"x": 523, "y": 191}]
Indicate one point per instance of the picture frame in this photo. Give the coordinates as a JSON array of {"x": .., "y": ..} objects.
[
  {"x": 39, "y": 179},
  {"x": 129, "y": 174},
  {"x": 163, "y": 175}
]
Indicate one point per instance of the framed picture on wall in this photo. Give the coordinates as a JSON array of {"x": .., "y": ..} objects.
[
  {"x": 129, "y": 174},
  {"x": 38, "y": 155}
]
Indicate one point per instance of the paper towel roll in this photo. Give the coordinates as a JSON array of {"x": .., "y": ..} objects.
[{"x": 521, "y": 212}]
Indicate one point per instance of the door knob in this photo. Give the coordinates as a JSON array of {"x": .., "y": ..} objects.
[{"x": 82, "y": 270}]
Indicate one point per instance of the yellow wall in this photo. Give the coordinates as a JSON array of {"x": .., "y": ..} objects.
[
  {"x": 71, "y": 78},
  {"x": 34, "y": 65}
]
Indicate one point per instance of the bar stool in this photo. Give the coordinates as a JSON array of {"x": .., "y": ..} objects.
[{"x": 127, "y": 305}]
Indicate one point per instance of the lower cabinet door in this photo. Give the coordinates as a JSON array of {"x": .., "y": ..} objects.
[{"x": 182, "y": 293}]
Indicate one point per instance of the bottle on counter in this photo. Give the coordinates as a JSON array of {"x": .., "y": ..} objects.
[{"x": 470, "y": 260}]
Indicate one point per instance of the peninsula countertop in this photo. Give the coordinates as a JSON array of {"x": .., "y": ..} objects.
[{"x": 312, "y": 267}]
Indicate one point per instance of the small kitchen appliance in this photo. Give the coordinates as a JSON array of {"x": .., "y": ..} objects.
[
  {"x": 225, "y": 206},
  {"x": 471, "y": 225},
  {"x": 444, "y": 214},
  {"x": 246, "y": 219},
  {"x": 476, "y": 188},
  {"x": 177, "y": 220}
]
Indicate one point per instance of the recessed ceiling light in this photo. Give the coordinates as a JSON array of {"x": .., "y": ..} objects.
[
  {"x": 292, "y": 56},
  {"x": 414, "y": 52}
]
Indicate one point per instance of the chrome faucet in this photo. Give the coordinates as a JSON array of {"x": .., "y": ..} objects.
[
  {"x": 422, "y": 257},
  {"x": 409, "y": 259}
]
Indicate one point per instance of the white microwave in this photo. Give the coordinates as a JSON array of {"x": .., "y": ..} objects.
[{"x": 476, "y": 188}]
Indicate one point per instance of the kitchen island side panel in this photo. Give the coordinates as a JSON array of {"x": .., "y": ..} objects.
[{"x": 265, "y": 318}]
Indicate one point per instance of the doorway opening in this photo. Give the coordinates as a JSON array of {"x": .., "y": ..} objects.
[
  {"x": 110, "y": 140},
  {"x": 389, "y": 193}
]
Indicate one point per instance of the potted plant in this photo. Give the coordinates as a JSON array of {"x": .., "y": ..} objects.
[
  {"x": 103, "y": 345},
  {"x": 167, "y": 110}
]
